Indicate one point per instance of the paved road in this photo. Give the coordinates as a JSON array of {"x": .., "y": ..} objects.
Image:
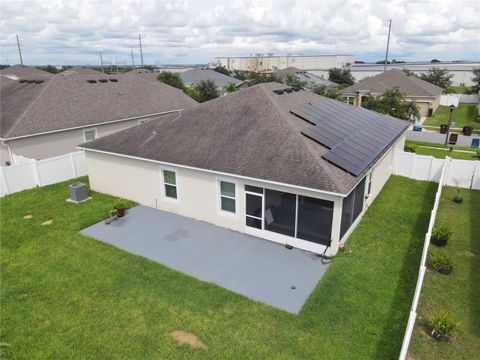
[{"x": 435, "y": 137}]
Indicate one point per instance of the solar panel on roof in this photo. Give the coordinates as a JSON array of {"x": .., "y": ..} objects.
[{"x": 355, "y": 136}]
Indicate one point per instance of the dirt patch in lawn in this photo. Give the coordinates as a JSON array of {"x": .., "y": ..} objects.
[
  {"x": 467, "y": 253},
  {"x": 29, "y": 216},
  {"x": 48, "y": 222},
  {"x": 186, "y": 338}
]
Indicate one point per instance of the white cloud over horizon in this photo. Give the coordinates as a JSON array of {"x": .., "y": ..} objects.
[{"x": 74, "y": 32}]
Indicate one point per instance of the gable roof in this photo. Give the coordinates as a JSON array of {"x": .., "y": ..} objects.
[
  {"x": 194, "y": 76},
  {"x": 63, "y": 102},
  {"x": 25, "y": 72},
  {"x": 410, "y": 85},
  {"x": 249, "y": 133}
]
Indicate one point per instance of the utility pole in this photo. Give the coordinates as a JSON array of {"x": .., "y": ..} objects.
[
  {"x": 388, "y": 44},
  {"x": 101, "y": 62},
  {"x": 133, "y": 60},
  {"x": 19, "y": 51},
  {"x": 141, "y": 52}
]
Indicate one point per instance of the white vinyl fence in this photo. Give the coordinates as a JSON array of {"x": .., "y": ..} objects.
[
  {"x": 458, "y": 173},
  {"x": 454, "y": 99},
  {"x": 30, "y": 173},
  {"x": 423, "y": 268}
]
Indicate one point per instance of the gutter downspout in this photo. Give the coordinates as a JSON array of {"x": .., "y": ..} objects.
[{"x": 9, "y": 152}]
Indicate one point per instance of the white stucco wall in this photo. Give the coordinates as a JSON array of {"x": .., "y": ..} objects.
[{"x": 198, "y": 194}]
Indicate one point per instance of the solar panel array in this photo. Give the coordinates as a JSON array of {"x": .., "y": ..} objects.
[{"x": 354, "y": 135}]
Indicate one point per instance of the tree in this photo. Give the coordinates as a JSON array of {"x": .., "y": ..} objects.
[
  {"x": 439, "y": 77},
  {"x": 49, "y": 68},
  {"x": 408, "y": 72},
  {"x": 323, "y": 90},
  {"x": 239, "y": 74},
  {"x": 341, "y": 76},
  {"x": 392, "y": 102},
  {"x": 206, "y": 90},
  {"x": 292, "y": 80},
  {"x": 258, "y": 78},
  {"x": 172, "y": 79},
  {"x": 435, "y": 61},
  {"x": 222, "y": 70},
  {"x": 476, "y": 79},
  {"x": 230, "y": 88}
]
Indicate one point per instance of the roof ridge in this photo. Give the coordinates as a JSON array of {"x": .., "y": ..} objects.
[
  {"x": 300, "y": 137},
  {"x": 16, "y": 122}
]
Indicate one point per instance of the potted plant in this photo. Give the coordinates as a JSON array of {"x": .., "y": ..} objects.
[
  {"x": 442, "y": 263},
  {"x": 458, "y": 199},
  {"x": 120, "y": 208},
  {"x": 441, "y": 235},
  {"x": 443, "y": 325}
]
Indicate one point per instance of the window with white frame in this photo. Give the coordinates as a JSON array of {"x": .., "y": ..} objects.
[
  {"x": 170, "y": 183},
  {"x": 227, "y": 196},
  {"x": 89, "y": 134},
  {"x": 143, "y": 121}
]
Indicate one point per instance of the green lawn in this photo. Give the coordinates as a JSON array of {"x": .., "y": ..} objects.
[
  {"x": 465, "y": 114},
  {"x": 441, "y": 154},
  {"x": 67, "y": 296},
  {"x": 459, "y": 292}
]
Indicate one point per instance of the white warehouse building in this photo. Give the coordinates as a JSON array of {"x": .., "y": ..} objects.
[{"x": 268, "y": 63}]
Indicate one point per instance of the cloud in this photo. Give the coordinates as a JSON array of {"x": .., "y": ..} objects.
[{"x": 74, "y": 31}]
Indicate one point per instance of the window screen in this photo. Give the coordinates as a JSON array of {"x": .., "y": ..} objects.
[
  {"x": 352, "y": 207},
  {"x": 227, "y": 196},
  {"x": 89, "y": 135},
  {"x": 170, "y": 182},
  {"x": 280, "y": 212},
  {"x": 314, "y": 219}
]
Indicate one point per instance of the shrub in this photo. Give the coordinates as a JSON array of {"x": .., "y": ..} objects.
[
  {"x": 410, "y": 148},
  {"x": 441, "y": 235},
  {"x": 442, "y": 263},
  {"x": 443, "y": 322}
]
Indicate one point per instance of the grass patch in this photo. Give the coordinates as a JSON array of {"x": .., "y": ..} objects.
[
  {"x": 65, "y": 295},
  {"x": 441, "y": 154},
  {"x": 464, "y": 115},
  {"x": 457, "y": 293}
]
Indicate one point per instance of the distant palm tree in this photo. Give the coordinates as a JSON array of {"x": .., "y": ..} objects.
[{"x": 230, "y": 88}]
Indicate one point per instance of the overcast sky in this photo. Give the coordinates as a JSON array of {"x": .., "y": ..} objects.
[{"x": 74, "y": 32}]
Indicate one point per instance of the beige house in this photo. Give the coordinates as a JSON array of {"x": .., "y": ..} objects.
[
  {"x": 269, "y": 160},
  {"x": 45, "y": 115},
  {"x": 426, "y": 95}
]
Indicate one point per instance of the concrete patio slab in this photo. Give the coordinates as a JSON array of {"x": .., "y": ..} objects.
[{"x": 258, "y": 269}]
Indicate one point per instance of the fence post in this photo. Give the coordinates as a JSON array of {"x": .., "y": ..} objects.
[
  {"x": 36, "y": 173},
  {"x": 72, "y": 161},
  {"x": 412, "y": 165},
  {"x": 4, "y": 180}
]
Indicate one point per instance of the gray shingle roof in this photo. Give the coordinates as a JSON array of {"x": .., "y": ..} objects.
[
  {"x": 249, "y": 133},
  {"x": 308, "y": 77},
  {"x": 194, "y": 76},
  {"x": 25, "y": 72},
  {"x": 410, "y": 85},
  {"x": 63, "y": 102}
]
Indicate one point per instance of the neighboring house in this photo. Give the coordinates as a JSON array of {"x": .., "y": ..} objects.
[
  {"x": 426, "y": 95},
  {"x": 142, "y": 73},
  {"x": 192, "y": 77},
  {"x": 304, "y": 76},
  {"x": 285, "y": 165},
  {"x": 18, "y": 72},
  {"x": 45, "y": 116}
]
